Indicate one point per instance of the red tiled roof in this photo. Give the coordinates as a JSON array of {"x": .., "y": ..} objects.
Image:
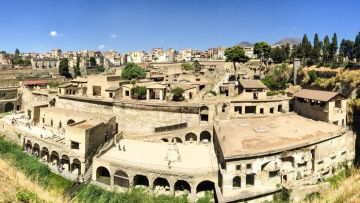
[{"x": 34, "y": 82}]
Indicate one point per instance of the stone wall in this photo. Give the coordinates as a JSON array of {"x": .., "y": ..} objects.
[{"x": 134, "y": 119}]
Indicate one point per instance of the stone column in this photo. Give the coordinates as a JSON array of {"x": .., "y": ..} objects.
[
  {"x": 161, "y": 94},
  {"x": 193, "y": 193},
  {"x": 147, "y": 94},
  {"x": 243, "y": 181}
]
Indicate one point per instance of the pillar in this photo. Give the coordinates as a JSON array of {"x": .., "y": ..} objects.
[
  {"x": 243, "y": 181},
  {"x": 147, "y": 94},
  {"x": 193, "y": 193},
  {"x": 161, "y": 94}
]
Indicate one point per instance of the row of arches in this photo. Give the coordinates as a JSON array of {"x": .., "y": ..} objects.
[
  {"x": 54, "y": 157},
  {"x": 205, "y": 137},
  {"x": 122, "y": 179}
]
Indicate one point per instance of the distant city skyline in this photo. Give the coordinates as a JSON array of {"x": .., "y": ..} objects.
[{"x": 123, "y": 26}]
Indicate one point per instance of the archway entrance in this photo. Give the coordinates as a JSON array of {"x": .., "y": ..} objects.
[
  {"x": 9, "y": 107},
  {"x": 54, "y": 158},
  {"x": 121, "y": 179},
  {"x": 161, "y": 184},
  {"x": 205, "y": 137},
  {"x": 190, "y": 137},
  {"x": 182, "y": 186},
  {"x": 44, "y": 154},
  {"x": 70, "y": 121},
  {"x": 65, "y": 162},
  {"x": 36, "y": 150},
  {"x": 141, "y": 180},
  {"x": 103, "y": 175},
  {"x": 76, "y": 167}
]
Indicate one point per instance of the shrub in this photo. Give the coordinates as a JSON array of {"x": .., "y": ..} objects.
[
  {"x": 133, "y": 71},
  {"x": 177, "y": 94},
  {"x": 187, "y": 66},
  {"x": 138, "y": 92},
  {"x": 312, "y": 76},
  {"x": 92, "y": 193}
]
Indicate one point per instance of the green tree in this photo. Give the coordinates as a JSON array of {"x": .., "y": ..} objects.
[
  {"x": 177, "y": 93},
  {"x": 306, "y": 48},
  {"x": 77, "y": 68},
  {"x": 197, "y": 66},
  {"x": 316, "y": 51},
  {"x": 16, "y": 60},
  {"x": 278, "y": 54},
  {"x": 278, "y": 77},
  {"x": 326, "y": 50},
  {"x": 262, "y": 51},
  {"x": 236, "y": 54},
  {"x": 138, "y": 92},
  {"x": 357, "y": 48},
  {"x": 346, "y": 49},
  {"x": 187, "y": 66},
  {"x": 64, "y": 68},
  {"x": 333, "y": 47},
  {"x": 133, "y": 71}
]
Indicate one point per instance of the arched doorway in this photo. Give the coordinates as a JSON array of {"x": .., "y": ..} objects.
[
  {"x": 204, "y": 113},
  {"x": 161, "y": 184},
  {"x": 236, "y": 182},
  {"x": 141, "y": 180},
  {"x": 76, "y": 167},
  {"x": 28, "y": 146},
  {"x": 164, "y": 140},
  {"x": 9, "y": 107},
  {"x": 182, "y": 186},
  {"x": 54, "y": 157},
  {"x": 121, "y": 179},
  {"x": 206, "y": 186},
  {"x": 36, "y": 150},
  {"x": 190, "y": 137},
  {"x": 65, "y": 162},
  {"x": 70, "y": 121},
  {"x": 205, "y": 137},
  {"x": 103, "y": 175},
  {"x": 44, "y": 154},
  {"x": 280, "y": 108},
  {"x": 177, "y": 140}
]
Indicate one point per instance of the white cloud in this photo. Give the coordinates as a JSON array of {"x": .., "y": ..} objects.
[
  {"x": 101, "y": 46},
  {"x": 53, "y": 34},
  {"x": 113, "y": 35}
]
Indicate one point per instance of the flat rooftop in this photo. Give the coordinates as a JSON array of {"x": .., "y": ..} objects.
[
  {"x": 156, "y": 156},
  {"x": 258, "y": 136}
]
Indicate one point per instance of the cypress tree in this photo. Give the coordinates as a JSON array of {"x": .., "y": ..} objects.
[
  {"x": 357, "y": 47},
  {"x": 334, "y": 47},
  {"x": 316, "y": 53},
  {"x": 326, "y": 50}
]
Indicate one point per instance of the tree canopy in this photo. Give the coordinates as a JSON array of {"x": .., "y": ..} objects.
[
  {"x": 197, "y": 66},
  {"x": 138, "y": 92},
  {"x": 64, "y": 68},
  {"x": 133, "y": 71},
  {"x": 177, "y": 93},
  {"x": 262, "y": 49},
  {"x": 236, "y": 54}
]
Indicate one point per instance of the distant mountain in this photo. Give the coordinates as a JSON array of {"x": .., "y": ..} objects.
[
  {"x": 245, "y": 44},
  {"x": 290, "y": 40}
]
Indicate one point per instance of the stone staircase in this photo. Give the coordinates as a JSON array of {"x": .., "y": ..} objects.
[{"x": 88, "y": 174}]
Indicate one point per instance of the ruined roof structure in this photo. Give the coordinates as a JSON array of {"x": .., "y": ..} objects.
[
  {"x": 252, "y": 84},
  {"x": 318, "y": 95},
  {"x": 258, "y": 136}
]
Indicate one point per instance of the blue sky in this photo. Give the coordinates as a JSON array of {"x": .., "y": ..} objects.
[{"x": 126, "y": 25}]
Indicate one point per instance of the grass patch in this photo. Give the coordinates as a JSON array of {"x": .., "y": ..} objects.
[
  {"x": 36, "y": 171},
  {"x": 93, "y": 193},
  {"x": 23, "y": 195},
  {"x": 337, "y": 179}
]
